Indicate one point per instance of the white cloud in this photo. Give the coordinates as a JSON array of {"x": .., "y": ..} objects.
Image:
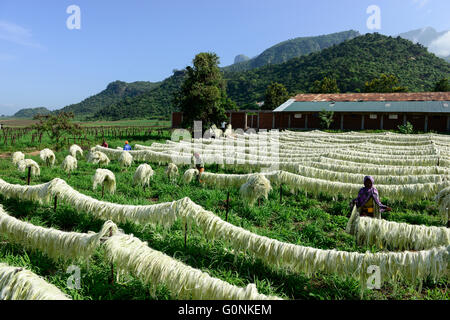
[
  {"x": 16, "y": 34},
  {"x": 441, "y": 46}
]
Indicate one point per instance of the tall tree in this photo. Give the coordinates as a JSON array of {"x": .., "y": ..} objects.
[
  {"x": 384, "y": 84},
  {"x": 203, "y": 96},
  {"x": 442, "y": 86},
  {"x": 276, "y": 95},
  {"x": 57, "y": 126},
  {"x": 326, "y": 85}
]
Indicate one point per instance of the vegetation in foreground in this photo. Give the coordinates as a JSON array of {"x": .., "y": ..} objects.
[{"x": 318, "y": 222}]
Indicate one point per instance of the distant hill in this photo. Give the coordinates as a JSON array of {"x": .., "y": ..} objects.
[
  {"x": 293, "y": 48},
  {"x": 436, "y": 42},
  {"x": 31, "y": 112},
  {"x": 351, "y": 63},
  {"x": 114, "y": 92},
  {"x": 241, "y": 58},
  {"x": 156, "y": 102},
  {"x": 424, "y": 36}
]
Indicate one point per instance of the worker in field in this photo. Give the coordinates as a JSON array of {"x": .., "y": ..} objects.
[
  {"x": 367, "y": 198},
  {"x": 104, "y": 144},
  {"x": 127, "y": 147},
  {"x": 197, "y": 162}
]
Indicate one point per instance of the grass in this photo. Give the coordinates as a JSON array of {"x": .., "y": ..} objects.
[{"x": 317, "y": 222}]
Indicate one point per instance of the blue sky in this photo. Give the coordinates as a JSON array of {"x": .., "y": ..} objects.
[{"x": 43, "y": 63}]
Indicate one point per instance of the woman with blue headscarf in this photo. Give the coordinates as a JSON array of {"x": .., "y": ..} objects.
[{"x": 366, "y": 198}]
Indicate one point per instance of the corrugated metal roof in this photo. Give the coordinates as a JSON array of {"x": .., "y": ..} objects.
[
  {"x": 397, "y": 96},
  {"x": 366, "y": 106}
]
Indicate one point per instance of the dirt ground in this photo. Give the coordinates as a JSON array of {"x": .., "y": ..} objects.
[
  {"x": 17, "y": 122},
  {"x": 9, "y": 154}
]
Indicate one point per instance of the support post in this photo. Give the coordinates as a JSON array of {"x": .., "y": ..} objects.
[
  {"x": 404, "y": 119},
  {"x": 362, "y": 122},
  {"x": 426, "y": 124},
  {"x": 342, "y": 122},
  {"x": 381, "y": 121},
  {"x": 306, "y": 121},
  {"x": 273, "y": 121},
  {"x": 228, "y": 206},
  {"x": 29, "y": 176},
  {"x": 185, "y": 236},
  {"x": 55, "y": 205},
  {"x": 289, "y": 120},
  {"x": 281, "y": 193}
]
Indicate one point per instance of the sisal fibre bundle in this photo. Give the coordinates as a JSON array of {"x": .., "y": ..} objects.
[
  {"x": 69, "y": 164},
  {"x": 23, "y": 165},
  {"x": 131, "y": 255},
  {"x": 398, "y": 236},
  {"x": 189, "y": 175},
  {"x": 406, "y": 265},
  {"x": 143, "y": 175},
  {"x": 97, "y": 157},
  {"x": 74, "y": 150},
  {"x": 443, "y": 202},
  {"x": 16, "y": 157},
  {"x": 21, "y": 284},
  {"x": 125, "y": 159},
  {"x": 48, "y": 157},
  {"x": 37, "y": 193},
  {"x": 172, "y": 171},
  {"x": 256, "y": 187},
  {"x": 106, "y": 178},
  {"x": 54, "y": 243}
]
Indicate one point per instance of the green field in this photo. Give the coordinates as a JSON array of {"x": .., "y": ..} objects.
[{"x": 311, "y": 221}]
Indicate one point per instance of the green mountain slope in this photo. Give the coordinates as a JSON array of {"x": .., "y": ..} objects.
[
  {"x": 293, "y": 48},
  {"x": 156, "y": 102},
  {"x": 31, "y": 112},
  {"x": 114, "y": 92},
  {"x": 351, "y": 63}
]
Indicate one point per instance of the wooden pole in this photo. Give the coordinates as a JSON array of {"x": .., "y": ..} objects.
[
  {"x": 185, "y": 236},
  {"x": 29, "y": 176},
  {"x": 228, "y": 206},
  {"x": 55, "y": 206}
]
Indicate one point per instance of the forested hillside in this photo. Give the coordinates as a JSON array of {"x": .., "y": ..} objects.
[{"x": 293, "y": 48}]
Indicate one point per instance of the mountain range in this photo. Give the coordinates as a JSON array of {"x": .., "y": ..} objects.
[
  {"x": 349, "y": 57},
  {"x": 436, "y": 42}
]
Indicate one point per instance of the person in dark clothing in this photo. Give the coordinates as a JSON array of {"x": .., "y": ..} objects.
[{"x": 367, "y": 196}]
